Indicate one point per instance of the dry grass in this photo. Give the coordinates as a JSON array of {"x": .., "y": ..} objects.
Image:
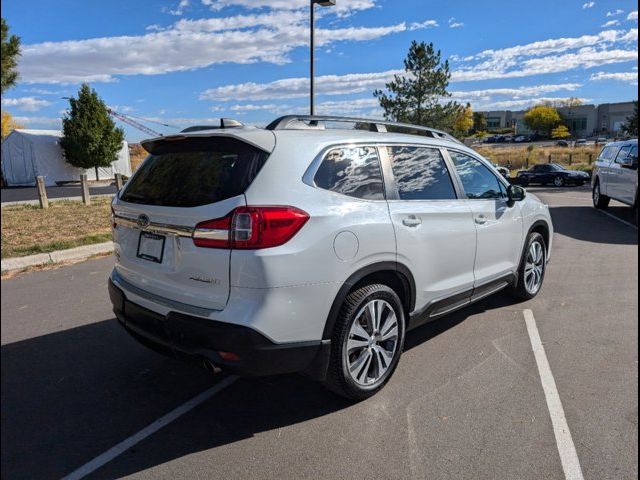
[
  {"x": 27, "y": 230},
  {"x": 521, "y": 157}
]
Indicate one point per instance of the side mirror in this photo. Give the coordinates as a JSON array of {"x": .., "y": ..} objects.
[
  {"x": 515, "y": 194},
  {"x": 630, "y": 162}
]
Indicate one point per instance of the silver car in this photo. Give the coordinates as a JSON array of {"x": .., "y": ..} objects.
[{"x": 616, "y": 175}]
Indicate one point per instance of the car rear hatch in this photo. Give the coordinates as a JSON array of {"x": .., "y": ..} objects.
[{"x": 185, "y": 181}]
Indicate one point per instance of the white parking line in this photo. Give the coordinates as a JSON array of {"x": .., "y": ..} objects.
[
  {"x": 629, "y": 224},
  {"x": 123, "y": 446},
  {"x": 566, "y": 448}
]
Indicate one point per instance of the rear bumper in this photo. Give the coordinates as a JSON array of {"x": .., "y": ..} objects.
[{"x": 195, "y": 338}]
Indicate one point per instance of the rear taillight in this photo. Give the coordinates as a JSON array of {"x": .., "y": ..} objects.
[{"x": 251, "y": 228}]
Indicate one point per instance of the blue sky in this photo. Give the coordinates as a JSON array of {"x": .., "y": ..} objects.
[{"x": 185, "y": 62}]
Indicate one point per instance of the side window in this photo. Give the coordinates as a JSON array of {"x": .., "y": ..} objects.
[
  {"x": 478, "y": 181},
  {"x": 420, "y": 173},
  {"x": 622, "y": 155},
  {"x": 352, "y": 171},
  {"x": 604, "y": 154}
]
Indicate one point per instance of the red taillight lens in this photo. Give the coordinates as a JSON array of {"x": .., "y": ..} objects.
[{"x": 250, "y": 228}]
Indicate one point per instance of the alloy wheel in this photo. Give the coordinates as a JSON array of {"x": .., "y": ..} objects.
[
  {"x": 372, "y": 342},
  {"x": 534, "y": 268}
]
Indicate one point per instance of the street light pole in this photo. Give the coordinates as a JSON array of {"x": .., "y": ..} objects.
[{"x": 323, "y": 3}]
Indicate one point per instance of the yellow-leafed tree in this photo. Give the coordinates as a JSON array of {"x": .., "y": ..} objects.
[{"x": 8, "y": 124}]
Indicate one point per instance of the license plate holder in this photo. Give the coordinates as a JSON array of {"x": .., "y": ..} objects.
[{"x": 151, "y": 247}]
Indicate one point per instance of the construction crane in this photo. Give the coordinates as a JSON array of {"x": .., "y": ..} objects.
[{"x": 130, "y": 121}]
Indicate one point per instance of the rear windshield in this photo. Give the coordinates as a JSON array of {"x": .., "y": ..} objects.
[{"x": 193, "y": 172}]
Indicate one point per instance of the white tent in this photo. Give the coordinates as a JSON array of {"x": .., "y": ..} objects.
[{"x": 29, "y": 153}]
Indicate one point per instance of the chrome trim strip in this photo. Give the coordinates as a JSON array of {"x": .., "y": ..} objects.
[
  {"x": 154, "y": 227},
  {"x": 211, "y": 234}
]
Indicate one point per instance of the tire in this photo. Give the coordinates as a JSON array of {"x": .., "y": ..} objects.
[
  {"x": 348, "y": 375},
  {"x": 600, "y": 201},
  {"x": 522, "y": 289},
  {"x": 558, "y": 182}
]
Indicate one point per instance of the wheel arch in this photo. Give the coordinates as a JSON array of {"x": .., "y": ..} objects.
[{"x": 393, "y": 274}]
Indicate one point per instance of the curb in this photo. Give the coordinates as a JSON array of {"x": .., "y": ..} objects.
[{"x": 77, "y": 253}]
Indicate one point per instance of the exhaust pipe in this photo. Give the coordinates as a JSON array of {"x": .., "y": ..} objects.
[{"x": 210, "y": 366}]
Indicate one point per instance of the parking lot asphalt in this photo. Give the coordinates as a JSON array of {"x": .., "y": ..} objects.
[{"x": 466, "y": 401}]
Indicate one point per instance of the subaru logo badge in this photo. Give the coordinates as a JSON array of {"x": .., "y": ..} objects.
[{"x": 143, "y": 221}]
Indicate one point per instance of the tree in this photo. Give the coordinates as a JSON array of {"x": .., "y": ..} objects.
[
  {"x": 8, "y": 124},
  {"x": 464, "y": 122},
  {"x": 479, "y": 122},
  {"x": 631, "y": 126},
  {"x": 560, "y": 132},
  {"x": 10, "y": 51},
  {"x": 417, "y": 96},
  {"x": 542, "y": 119},
  {"x": 89, "y": 136}
]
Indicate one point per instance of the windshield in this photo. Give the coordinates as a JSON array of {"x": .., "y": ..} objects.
[{"x": 193, "y": 172}]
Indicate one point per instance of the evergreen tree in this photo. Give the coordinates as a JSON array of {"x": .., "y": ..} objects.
[
  {"x": 417, "y": 96},
  {"x": 479, "y": 122},
  {"x": 10, "y": 46},
  {"x": 631, "y": 127},
  {"x": 90, "y": 138}
]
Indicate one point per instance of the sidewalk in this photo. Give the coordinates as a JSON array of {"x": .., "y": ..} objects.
[{"x": 71, "y": 254}]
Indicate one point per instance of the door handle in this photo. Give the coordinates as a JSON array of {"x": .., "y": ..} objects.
[
  {"x": 481, "y": 219},
  {"x": 411, "y": 221}
]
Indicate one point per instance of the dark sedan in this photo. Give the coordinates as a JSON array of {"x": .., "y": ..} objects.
[{"x": 552, "y": 173}]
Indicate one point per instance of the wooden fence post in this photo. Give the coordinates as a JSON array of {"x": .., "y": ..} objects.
[
  {"x": 118, "y": 177},
  {"x": 570, "y": 158},
  {"x": 590, "y": 158},
  {"x": 42, "y": 192},
  {"x": 86, "y": 196},
  {"x": 549, "y": 158}
]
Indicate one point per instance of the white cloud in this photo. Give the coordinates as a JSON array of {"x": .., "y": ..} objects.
[
  {"x": 186, "y": 46},
  {"x": 179, "y": 10},
  {"x": 523, "y": 104},
  {"x": 122, "y": 108},
  {"x": 633, "y": 16},
  {"x": 342, "y": 7},
  {"x": 299, "y": 87},
  {"x": 425, "y": 24},
  {"x": 588, "y": 5},
  {"x": 454, "y": 24},
  {"x": 515, "y": 93},
  {"x": 610, "y": 23},
  {"x": 27, "y": 104},
  {"x": 627, "y": 77},
  {"x": 614, "y": 13},
  {"x": 39, "y": 121},
  {"x": 550, "y": 56}
]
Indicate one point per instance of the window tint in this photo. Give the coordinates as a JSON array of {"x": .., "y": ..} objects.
[
  {"x": 420, "y": 173},
  {"x": 193, "y": 172},
  {"x": 622, "y": 155},
  {"x": 352, "y": 171},
  {"x": 478, "y": 181},
  {"x": 608, "y": 154}
]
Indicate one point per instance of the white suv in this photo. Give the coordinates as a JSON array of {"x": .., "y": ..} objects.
[{"x": 304, "y": 247}]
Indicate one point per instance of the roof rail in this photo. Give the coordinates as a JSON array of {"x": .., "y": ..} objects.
[
  {"x": 224, "y": 123},
  {"x": 293, "y": 122}
]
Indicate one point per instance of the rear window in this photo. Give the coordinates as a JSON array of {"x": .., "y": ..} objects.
[{"x": 194, "y": 171}]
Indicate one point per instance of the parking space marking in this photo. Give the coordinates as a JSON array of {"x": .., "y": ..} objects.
[
  {"x": 163, "y": 421},
  {"x": 628, "y": 224},
  {"x": 566, "y": 448}
]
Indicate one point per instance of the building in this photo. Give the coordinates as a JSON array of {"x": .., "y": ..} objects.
[{"x": 606, "y": 119}]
